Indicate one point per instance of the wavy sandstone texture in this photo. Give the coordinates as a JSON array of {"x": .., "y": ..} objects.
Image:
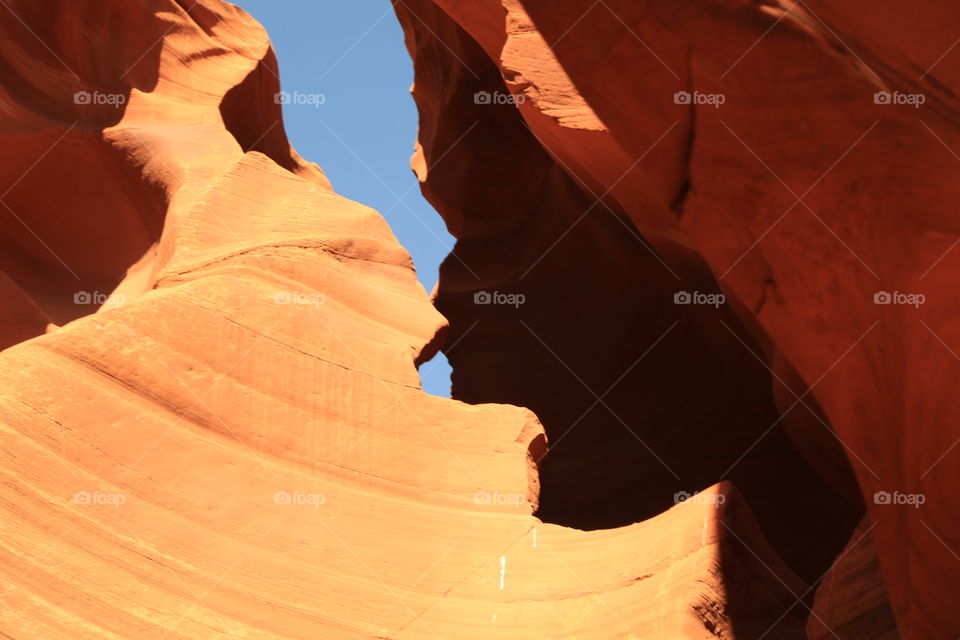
[
  {"x": 557, "y": 147},
  {"x": 211, "y": 421}
]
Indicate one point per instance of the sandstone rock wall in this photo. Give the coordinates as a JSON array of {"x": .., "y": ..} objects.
[{"x": 211, "y": 423}]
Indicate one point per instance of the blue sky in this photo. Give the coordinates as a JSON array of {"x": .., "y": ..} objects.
[{"x": 363, "y": 134}]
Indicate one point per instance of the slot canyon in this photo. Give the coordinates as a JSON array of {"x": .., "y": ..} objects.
[{"x": 698, "y": 314}]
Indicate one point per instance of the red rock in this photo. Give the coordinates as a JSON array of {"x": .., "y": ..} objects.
[
  {"x": 211, "y": 422},
  {"x": 852, "y": 600},
  {"x": 803, "y": 194},
  {"x": 20, "y": 318},
  {"x": 661, "y": 398},
  {"x": 235, "y": 442}
]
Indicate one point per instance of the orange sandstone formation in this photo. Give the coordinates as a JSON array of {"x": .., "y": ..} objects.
[
  {"x": 800, "y": 157},
  {"x": 211, "y": 421}
]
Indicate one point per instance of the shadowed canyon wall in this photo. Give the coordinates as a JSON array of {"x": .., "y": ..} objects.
[
  {"x": 798, "y": 157},
  {"x": 680, "y": 409}
]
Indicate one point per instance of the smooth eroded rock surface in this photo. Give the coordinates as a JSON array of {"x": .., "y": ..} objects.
[
  {"x": 211, "y": 422},
  {"x": 799, "y": 157}
]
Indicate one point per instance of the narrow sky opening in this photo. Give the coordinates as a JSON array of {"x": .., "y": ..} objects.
[{"x": 361, "y": 132}]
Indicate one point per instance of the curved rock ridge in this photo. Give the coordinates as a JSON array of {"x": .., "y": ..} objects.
[
  {"x": 852, "y": 600},
  {"x": 799, "y": 158},
  {"x": 631, "y": 409},
  {"x": 89, "y": 105},
  {"x": 211, "y": 421}
]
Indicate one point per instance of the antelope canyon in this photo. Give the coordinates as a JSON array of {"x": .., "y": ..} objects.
[{"x": 700, "y": 315}]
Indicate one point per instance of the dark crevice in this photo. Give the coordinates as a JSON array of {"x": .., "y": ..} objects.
[{"x": 555, "y": 306}]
